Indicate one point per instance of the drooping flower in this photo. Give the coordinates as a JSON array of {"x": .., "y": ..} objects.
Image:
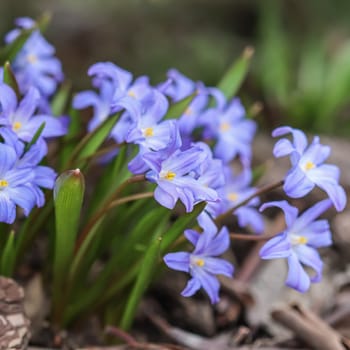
[
  {"x": 308, "y": 168},
  {"x": 203, "y": 264},
  {"x": 298, "y": 243},
  {"x": 21, "y": 118},
  {"x": 35, "y": 64}
]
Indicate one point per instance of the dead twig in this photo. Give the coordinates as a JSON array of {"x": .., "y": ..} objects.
[{"x": 309, "y": 328}]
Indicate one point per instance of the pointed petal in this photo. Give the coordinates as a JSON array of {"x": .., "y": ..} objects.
[
  {"x": 8, "y": 99},
  {"x": 290, "y": 212},
  {"x": 310, "y": 257},
  {"x": 192, "y": 236},
  {"x": 297, "y": 277},
  {"x": 310, "y": 215},
  {"x": 7, "y": 209},
  {"x": 297, "y": 184},
  {"x": 217, "y": 266},
  {"x": 277, "y": 247},
  {"x": 178, "y": 261},
  {"x": 193, "y": 285},
  {"x": 166, "y": 199}
]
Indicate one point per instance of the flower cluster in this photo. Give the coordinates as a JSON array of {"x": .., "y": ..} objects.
[{"x": 182, "y": 137}]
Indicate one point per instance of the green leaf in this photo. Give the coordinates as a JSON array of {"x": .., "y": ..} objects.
[
  {"x": 177, "y": 109},
  {"x": 35, "y": 137},
  {"x": 178, "y": 227},
  {"x": 8, "y": 256},
  {"x": 9, "y": 52},
  {"x": 10, "y": 79},
  {"x": 122, "y": 261},
  {"x": 92, "y": 141},
  {"x": 143, "y": 279},
  {"x": 68, "y": 199},
  {"x": 275, "y": 68},
  {"x": 60, "y": 100},
  {"x": 155, "y": 250},
  {"x": 233, "y": 78}
]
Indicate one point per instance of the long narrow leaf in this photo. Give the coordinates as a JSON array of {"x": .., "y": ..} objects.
[
  {"x": 68, "y": 199},
  {"x": 233, "y": 78}
]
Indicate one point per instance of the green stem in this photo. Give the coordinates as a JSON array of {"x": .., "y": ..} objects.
[
  {"x": 97, "y": 217},
  {"x": 130, "y": 198}
]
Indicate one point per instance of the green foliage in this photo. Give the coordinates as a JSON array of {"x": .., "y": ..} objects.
[{"x": 300, "y": 75}]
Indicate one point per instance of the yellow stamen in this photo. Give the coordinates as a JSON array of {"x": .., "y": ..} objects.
[
  {"x": 299, "y": 240},
  {"x": 302, "y": 240},
  {"x": 16, "y": 126},
  {"x": 3, "y": 183},
  {"x": 148, "y": 132},
  {"x": 169, "y": 175},
  {"x": 32, "y": 58},
  {"x": 131, "y": 94},
  {"x": 232, "y": 196},
  {"x": 199, "y": 262},
  {"x": 309, "y": 165},
  {"x": 225, "y": 126}
]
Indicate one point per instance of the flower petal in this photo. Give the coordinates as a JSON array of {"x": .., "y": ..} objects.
[
  {"x": 297, "y": 277},
  {"x": 217, "y": 266},
  {"x": 178, "y": 261},
  {"x": 193, "y": 285},
  {"x": 290, "y": 212},
  {"x": 310, "y": 257},
  {"x": 277, "y": 247}
]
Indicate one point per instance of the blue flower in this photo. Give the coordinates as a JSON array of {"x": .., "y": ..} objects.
[
  {"x": 175, "y": 176},
  {"x": 308, "y": 168},
  {"x": 116, "y": 92},
  {"x": 41, "y": 176},
  {"x": 299, "y": 243},
  {"x": 231, "y": 130},
  {"x": 21, "y": 118},
  {"x": 237, "y": 188},
  {"x": 14, "y": 186},
  {"x": 202, "y": 264},
  {"x": 35, "y": 64},
  {"x": 181, "y": 87}
]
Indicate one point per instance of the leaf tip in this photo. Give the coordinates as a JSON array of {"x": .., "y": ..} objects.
[{"x": 248, "y": 52}]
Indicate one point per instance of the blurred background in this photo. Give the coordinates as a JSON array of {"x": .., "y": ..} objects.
[{"x": 300, "y": 71}]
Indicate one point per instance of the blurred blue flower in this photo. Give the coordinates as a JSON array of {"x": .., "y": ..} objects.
[
  {"x": 35, "y": 64},
  {"x": 202, "y": 264},
  {"x": 237, "y": 188},
  {"x": 21, "y": 119},
  {"x": 308, "y": 169},
  {"x": 232, "y": 131},
  {"x": 299, "y": 241},
  {"x": 181, "y": 87}
]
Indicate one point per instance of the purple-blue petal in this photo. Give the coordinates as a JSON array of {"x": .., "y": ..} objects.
[
  {"x": 276, "y": 248},
  {"x": 179, "y": 261},
  {"x": 297, "y": 278},
  {"x": 290, "y": 212},
  {"x": 297, "y": 184}
]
